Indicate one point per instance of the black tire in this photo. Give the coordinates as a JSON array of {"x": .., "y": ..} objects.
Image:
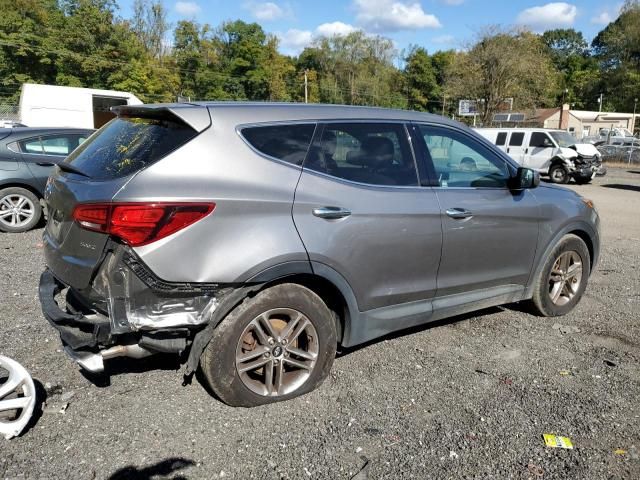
[
  {"x": 542, "y": 303},
  {"x": 218, "y": 361},
  {"x": 558, "y": 174},
  {"x": 582, "y": 180},
  {"x": 9, "y": 195}
]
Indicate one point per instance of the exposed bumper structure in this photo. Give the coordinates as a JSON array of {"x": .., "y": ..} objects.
[{"x": 143, "y": 315}]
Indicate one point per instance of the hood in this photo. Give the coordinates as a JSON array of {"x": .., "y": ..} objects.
[
  {"x": 568, "y": 152},
  {"x": 586, "y": 149}
]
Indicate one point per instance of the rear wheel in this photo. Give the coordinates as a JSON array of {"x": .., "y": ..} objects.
[
  {"x": 20, "y": 210},
  {"x": 563, "y": 278},
  {"x": 275, "y": 346},
  {"x": 558, "y": 174}
]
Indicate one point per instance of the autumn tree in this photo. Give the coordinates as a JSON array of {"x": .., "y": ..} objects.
[{"x": 501, "y": 65}]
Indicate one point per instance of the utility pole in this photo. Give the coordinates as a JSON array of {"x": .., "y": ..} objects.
[
  {"x": 633, "y": 128},
  {"x": 600, "y": 102},
  {"x": 306, "y": 86}
]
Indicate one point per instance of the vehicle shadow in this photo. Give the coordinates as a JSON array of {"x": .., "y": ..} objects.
[
  {"x": 620, "y": 186},
  {"x": 120, "y": 365},
  {"x": 157, "y": 471},
  {"x": 634, "y": 171},
  {"x": 343, "y": 352}
]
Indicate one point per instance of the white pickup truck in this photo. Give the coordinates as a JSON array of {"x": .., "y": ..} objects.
[{"x": 553, "y": 153}]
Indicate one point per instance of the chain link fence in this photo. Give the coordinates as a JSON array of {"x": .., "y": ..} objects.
[{"x": 9, "y": 112}]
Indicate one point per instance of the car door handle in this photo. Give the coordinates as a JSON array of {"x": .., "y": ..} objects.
[
  {"x": 331, "y": 213},
  {"x": 459, "y": 213},
  {"x": 45, "y": 164}
]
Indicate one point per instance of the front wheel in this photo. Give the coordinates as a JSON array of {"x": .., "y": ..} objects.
[
  {"x": 275, "y": 346},
  {"x": 20, "y": 210},
  {"x": 558, "y": 174},
  {"x": 563, "y": 278}
]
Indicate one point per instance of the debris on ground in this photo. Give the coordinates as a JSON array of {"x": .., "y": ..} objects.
[
  {"x": 610, "y": 363},
  {"x": 363, "y": 474},
  {"x": 565, "y": 329},
  {"x": 557, "y": 441},
  {"x": 535, "y": 470}
]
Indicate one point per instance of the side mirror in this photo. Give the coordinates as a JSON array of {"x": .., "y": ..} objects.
[{"x": 524, "y": 178}]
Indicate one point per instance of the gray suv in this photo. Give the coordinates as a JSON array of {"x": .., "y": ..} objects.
[{"x": 253, "y": 239}]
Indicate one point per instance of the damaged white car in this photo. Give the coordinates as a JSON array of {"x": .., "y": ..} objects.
[{"x": 553, "y": 153}]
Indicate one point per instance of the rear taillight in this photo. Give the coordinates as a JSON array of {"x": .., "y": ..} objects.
[{"x": 139, "y": 223}]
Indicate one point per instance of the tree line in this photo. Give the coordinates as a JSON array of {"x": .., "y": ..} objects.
[{"x": 86, "y": 43}]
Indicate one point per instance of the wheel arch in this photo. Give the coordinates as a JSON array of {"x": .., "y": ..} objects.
[
  {"x": 26, "y": 186},
  {"x": 323, "y": 280},
  {"x": 579, "y": 228}
]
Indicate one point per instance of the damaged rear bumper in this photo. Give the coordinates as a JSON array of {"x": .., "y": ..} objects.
[{"x": 125, "y": 312}]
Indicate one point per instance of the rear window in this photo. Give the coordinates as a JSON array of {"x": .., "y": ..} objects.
[
  {"x": 284, "y": 142},
  {"x": 126, "y": 145}
]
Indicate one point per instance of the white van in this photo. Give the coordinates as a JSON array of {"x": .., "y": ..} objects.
[
  {"x": 54, "y": 106},
  {"x": 554, "y": 153}
]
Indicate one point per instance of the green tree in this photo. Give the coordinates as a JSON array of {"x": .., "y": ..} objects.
[
  {"x": 420, "y": 79},
  {"x": 617, "y": 49},
  {"x": 26, "y": 43}
]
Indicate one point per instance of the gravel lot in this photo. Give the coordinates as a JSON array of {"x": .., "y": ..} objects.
[{"x": 466, "y": 398}]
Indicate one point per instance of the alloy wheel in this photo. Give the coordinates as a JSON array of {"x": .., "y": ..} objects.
[
  {"x": 277, "y": 352},
  {"x": 16, "y": 210},
  {"x": 565, "y": 278}
]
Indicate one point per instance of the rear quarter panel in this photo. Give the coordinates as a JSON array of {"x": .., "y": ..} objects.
[{"x": 251, "y": 228}]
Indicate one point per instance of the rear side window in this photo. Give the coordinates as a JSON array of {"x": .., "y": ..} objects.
[
  {"x": 284, "y": 142},
  {"x": 61, "y": 145},
  {"x": 501, "y": 139},
  {"x": 516, "y": 139},
  {"x": 371, "y": 153},
  {"x": 126, "y": 145}
]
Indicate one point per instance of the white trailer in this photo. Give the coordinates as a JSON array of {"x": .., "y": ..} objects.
[{"x": 54, "y": 106}]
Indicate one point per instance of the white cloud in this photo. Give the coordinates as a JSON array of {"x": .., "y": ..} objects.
[
  {"x": 607, "y": 15},
  {"x": 392, "y": 16},
  {"x": 551, "y": 15},
  {"x": 444, "y": 39},
  {"x": 334, "y": 28},
  {"x": 187, "y": 9},
  {"x": 266, "y": 11},
  {"x": 293, "y": 40}
]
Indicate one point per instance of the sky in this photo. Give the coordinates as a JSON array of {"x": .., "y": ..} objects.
[{"x": 433, "y": 24}]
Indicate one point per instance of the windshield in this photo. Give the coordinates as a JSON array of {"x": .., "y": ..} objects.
[
  {"x": 126, "y": 145},
  {"x": 563, "y": 139}
]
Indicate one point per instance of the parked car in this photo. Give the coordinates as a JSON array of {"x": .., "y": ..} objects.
[
  {"x": 256, "y": 238},
  {"x": 5, "y": 123},
  {"x": 553, "y": 153},
  {"x": 619, "y": 153},
  {"x": 27, "y": 158}
]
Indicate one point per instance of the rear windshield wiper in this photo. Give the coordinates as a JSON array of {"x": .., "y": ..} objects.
[{"x": 67, "y": 167}]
